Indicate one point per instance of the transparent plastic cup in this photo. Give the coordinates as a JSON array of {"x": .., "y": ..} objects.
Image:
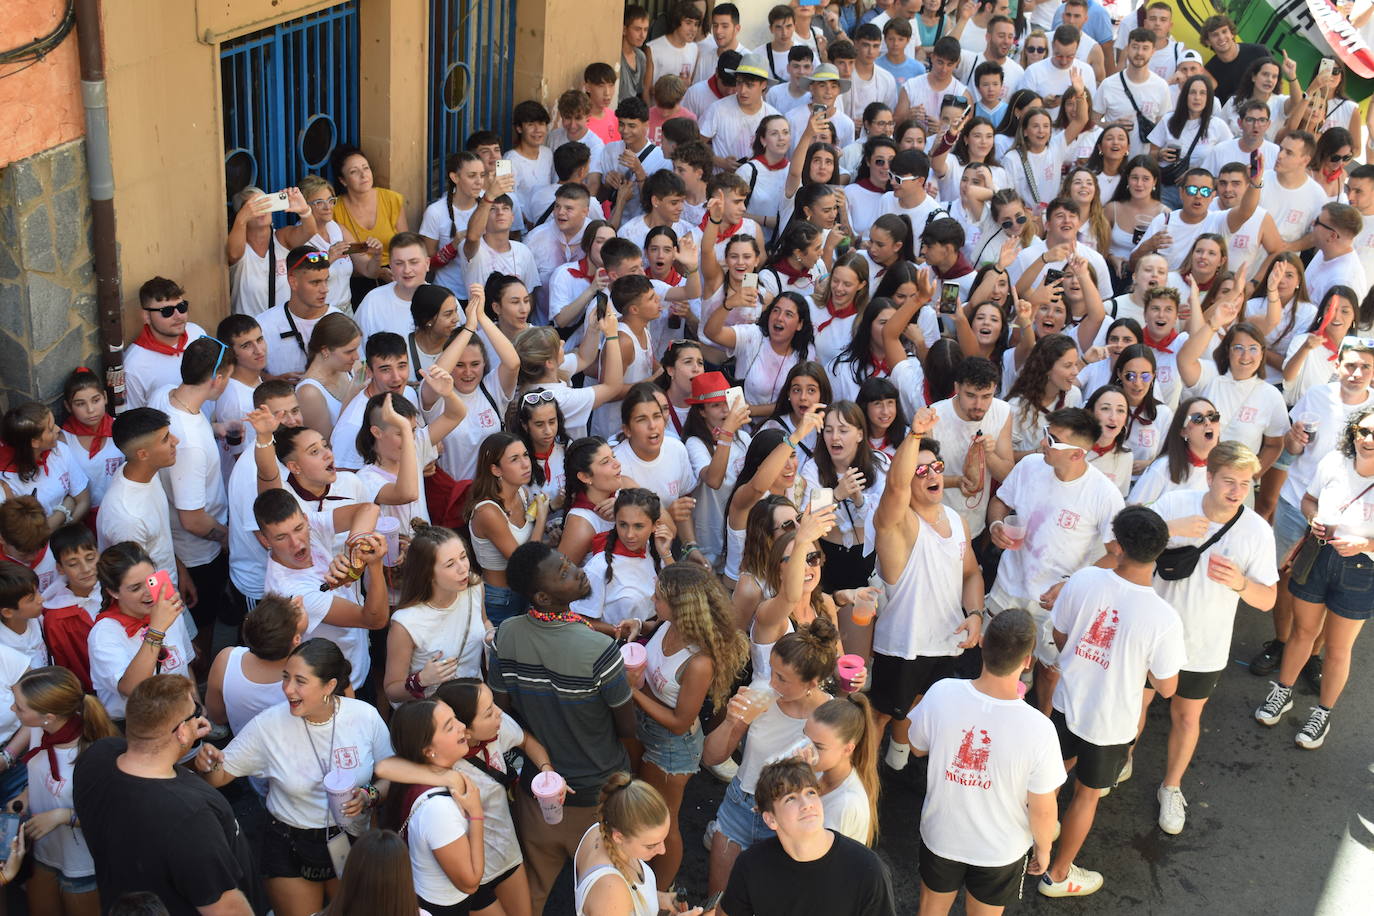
[
  {"x": 338, "y": 786},
  {"x": 1015, "y": 530},
  {"x": 390, "y": 528}
]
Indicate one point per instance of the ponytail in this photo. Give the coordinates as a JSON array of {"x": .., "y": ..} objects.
[
  {"x": 851, "y": 719},
  {"x": 628, "y": 806}
]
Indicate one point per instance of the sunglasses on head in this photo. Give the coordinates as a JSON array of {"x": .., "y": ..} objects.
[
  {"x": 936, "y": 467},
  {"x": 167, "y": 311},
  {"x": 310, "y": 257},
  {"x": 223, "y": 348},
  {"x": 1018, "y": 220},
  {"x": 789, "y": 525},
  {"x": 1209, "y": 417},
  {"x": 1058, "y": 444},
  {"x": 543, "y": 396},
  {"x": 1146, "y": 377},
  {"x": 1197, "y": 190}
]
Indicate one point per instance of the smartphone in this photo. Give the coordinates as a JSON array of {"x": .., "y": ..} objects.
[
  {"x": 1326, "y": 67},
  {"x": 750, "y": 281},
  {"x": 9, "y": 830},
  {"x": 602, "y": 301},
  {"x": 818, "y": 109},
  {"x": 1052, "y": 275},
  {"x": 734, "y": 398},
  {"x": 949, "y": 297},
  {"x": 954, "y": 101},
  {"x": 277, "y": 202},
  {"x": 714, "y": 900},
  {"x": 821, "y": 498},
  {"x": 356, "y": 248},
  {"x": 504, "y": 168},
  {"x": 160, "y": 584},
  {"x": 1254, "y": 163}
]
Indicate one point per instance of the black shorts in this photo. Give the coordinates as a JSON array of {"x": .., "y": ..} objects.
[
  {"x": 1197, "y": 685},
  {"x": 1097, "y": 766},
  {"x": 485, "y": 895},
  {"x": 997, "y": 886},
  {"x": 897, "y": 682},
  {"x": 294, "y": 852}
]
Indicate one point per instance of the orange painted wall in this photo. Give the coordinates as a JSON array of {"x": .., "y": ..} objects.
[{"x": 41, "y": 106}]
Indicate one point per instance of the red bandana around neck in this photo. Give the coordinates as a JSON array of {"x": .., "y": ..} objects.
[
  {"x": 763, "y": 161},
  {"x": 1100, "y": 450},
  {"x": 1161, "y": 345},
  {"x": 544, "y": 459},
  {"x": 620, "y": 550},
  {"x": 868, "y": 185},
  {"x": 69, "y": 732},
  {"x": 849, "y": 311},
  {"x": 147, "y": 341},
  {"x": 583, "y": 270},
  {"x": 1195, "y": 461},
  {"x": 98, "y": 433},
  {"x": 130, "y": 624},
  {"x": 725, "y": 231},
  {"x": 784, "y": 267},
  {"x": 7, "y": 459}
]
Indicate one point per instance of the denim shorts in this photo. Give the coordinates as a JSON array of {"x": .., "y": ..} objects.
[
  {"x": 81, "y": 885},
  {"x": 1344, "y": 584},
  {"x": 676, "y": 755},
  {"x": 737, "y": 820},
  {"x": 1289, "y": 527},
  {"x": 502, "y": 603}
]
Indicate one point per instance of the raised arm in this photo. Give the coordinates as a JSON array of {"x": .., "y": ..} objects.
[
  {"x": 441, "y": 383},
  {"x": 893, "y": 349},
  {"x": 892, "y": 505}
]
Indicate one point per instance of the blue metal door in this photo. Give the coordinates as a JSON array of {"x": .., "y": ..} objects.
[
  {"x": 472, "y": 75},
  {"x": 290, "y": 96}
]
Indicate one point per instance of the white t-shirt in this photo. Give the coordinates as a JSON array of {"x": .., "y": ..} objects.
[
  {"x": 285, "y": 349},
  {"x": 1335, "y": 487},
  {"x": 730, "y": 130},
  {"x": 919, "y": 92},
  {"x": 1154, "y": 482},
  {"x": 146, "y": 371},
  {"x": 100, "y": 468},
  {"x": 61, "y": 476},
  {"x": 1250, "y": 410},
  {"x": 986, "y": 757},
  {"x": 1183, "y": 234},
  {"x": 1319, "y": 367},
  {"x": 290, "y": 753},
  {"x": 1293, "y": 210},
  {"x": 1028, "y": 428},
  {"x": 846, "y": 810},
  {"x": 1046, "y": 79},
  {"x": 435, "y": 821},
  {"x": 1208, "y": 608},
  {"x": 235, "y": 404},
  {"x": 343, "y": 440},
  {"x": 669, "y": 475},
  {"x": 194, "y": 482},
  {"x": 64, "y": 848},
  {"x": 374, "y": 478},
  {"x": 1066, "y": 525},
  {"x": 759, "y": 365},
  {"x": 517, "y": 261},
  {"x": 138, "y": 512},
  {"x": 444, "y": 222},
  {"x": 28, "y": 643},
  {"x": 1344, "y": 270},
  {"x": 1229, "y": 151},
  {"x": 383, "y": 310},
  {"x": 112, "y": 649},
  {"x": 1113, "y": 104},
  {"x": 1042, "y": 168},
  {"x": 880, "y": 87},
  {"x": 499, "y": 840},
  {"x": 955, "y": 434},
  {"x": 530, "y": 173},
  {"x": 455, "y": 632},
  {"x": 629, "y": 593},
  {"x": 1217, "y": 132},
  {"x": 484, "y": 412},
  {"x": 1324, "y": 402},
  {"x": 1118, "y": 632}
]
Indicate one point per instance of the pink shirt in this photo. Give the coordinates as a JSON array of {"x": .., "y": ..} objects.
[{"x": 656, "y": 118}]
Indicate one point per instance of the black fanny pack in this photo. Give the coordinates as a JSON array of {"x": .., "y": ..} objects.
[{"x": 1179, "y": 562}]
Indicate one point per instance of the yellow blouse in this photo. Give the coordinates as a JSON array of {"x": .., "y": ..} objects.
[{"x": 389, "y": 206}]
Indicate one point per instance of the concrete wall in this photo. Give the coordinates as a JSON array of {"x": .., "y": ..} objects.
[
  {"x": 41, "y": 103},
  {"x": 47, "y": 289},
  {"x": 556, "y": 39}
]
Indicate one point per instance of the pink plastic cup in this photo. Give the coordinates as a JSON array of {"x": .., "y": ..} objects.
[
  {"x": 847, "y": 669},
  {"x": 338, "y": 786},
  {"x": 635, "y": 657},
  {"x": 548, "y": 791}
]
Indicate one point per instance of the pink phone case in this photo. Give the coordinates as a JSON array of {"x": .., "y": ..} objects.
[{"x": 160, "y": 584}]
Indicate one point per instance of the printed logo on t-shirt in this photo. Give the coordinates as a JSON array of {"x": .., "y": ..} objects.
[
  {"x": 1096, "y": 644},
  {"x": 346, "y": 758},
  {"x": 486, "y": 419},
  {"x": 171, "y": 661},
  {"x": 1147, "y": 438},
  {"x": 112, "y": 465},
  {"x": 66, "y": 480},
  {"x": 970, "y": 764},
  {"x": 1246, "y": 415},
  {"x": 1165, "y": 374},
  {"x": 1240, "y": 242},
  {"x": 55, "y": 786},
  {"x": 1067, "y": 519},
  {"x": 1293, "y": 217}
]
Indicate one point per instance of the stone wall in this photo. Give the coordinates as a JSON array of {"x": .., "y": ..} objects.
[{"x": 48, "y": 322}]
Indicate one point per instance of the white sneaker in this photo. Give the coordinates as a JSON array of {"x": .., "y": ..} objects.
[
  {"x": 1080, "y": 882},
  {"x": 1121, "y": 777},
  {"x": 712, "y": 828},
  {"x": 1171, "y": 809},
  {"x": 724, "y": 771},
  {"x": 897, "y": 756}
]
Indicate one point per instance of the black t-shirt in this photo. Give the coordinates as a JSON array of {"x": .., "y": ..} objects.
[
  {"x": 1228, "y": 75},
  {"x": 849, "y": 880},
  {"x": 175, "y": 837}
]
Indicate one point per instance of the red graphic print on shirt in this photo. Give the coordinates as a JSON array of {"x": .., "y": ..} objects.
[
  {"x": 970, "y": 764},
  {"x": 1096, "y": 644},
  {"x": 1246, "y": 415},
  {"x": 346, "y": 758},
  {"x": 1067, "y": 519}
]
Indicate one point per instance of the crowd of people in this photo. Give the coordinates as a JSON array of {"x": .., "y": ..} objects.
[{"x": 935, "y": 379}]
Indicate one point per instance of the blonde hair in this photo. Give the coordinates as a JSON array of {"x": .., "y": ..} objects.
[
  {"x": 536, "y": 347},
  {"x": 850, "y": 718},
  {"x": 55, "y": 691},
  {"x": 630, "y": 806},
  {"x": 1232, "y": 454},
  {"x": 312, "y": 183},
  {"x": 703, "y": 615}
]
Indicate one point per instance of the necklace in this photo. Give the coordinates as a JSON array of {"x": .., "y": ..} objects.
[
  {"x": 333, "y": 711},
  {"x": 558, "y": 616},
  {"x": 172, "y": 398}
]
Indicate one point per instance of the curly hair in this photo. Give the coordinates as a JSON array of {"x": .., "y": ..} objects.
[
  {"x": 703, "y": 615},
  {"x": 1347, "y": 440},
  {"x": 1030, "y": 384}
]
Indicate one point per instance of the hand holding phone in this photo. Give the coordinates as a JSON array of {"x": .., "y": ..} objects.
[
  {"x": 504, "y": 168},
  {"x": 277, "y": 202},
  {"x": 949, "y": 297},
  {"x": 160, "y": 584}
]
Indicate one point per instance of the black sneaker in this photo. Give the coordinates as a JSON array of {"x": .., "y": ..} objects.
[
  {"x": 1267, "y": 661},
  {"x": 1314, "y": 730},
  {"x": 1312, "y": 673},
  {"x": 1279, "y": 701}
]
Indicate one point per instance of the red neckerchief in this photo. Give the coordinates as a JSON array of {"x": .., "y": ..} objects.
[
  {"x": 620, "y": 550},
  {"x": 7, "y": 459},
  {"x": 673, "y": 278},
  {"x": 583, "y": 270},
  {"x": 479, "y": 748},
  {"x": 722, "y": 234},
  {"x": 580, "y": 501},
  {"x": 1100, "y": 450},
  {"x": 548, "y": 474},
  {"x": 849, "y": 311},
  {"x": 715, "y": 87},
  {"x": 1202, "y": 287},
  {"x": 147, "y": 341},
  {"x": 1329, "y": 177},
  {"x": 962, "y": 266},
  {"x": 37, "y": 558},
  {"x": 1195, "y": 461},
  {"x": 306, "y": 495},
  {"x": 69, "y": 732},
  {"x": 784, "y": 267},
  {"x": 567, "y": 617},
  {"x": 925, "y": 388},
  {"x": 1161, "y": 345},
  {"x": 879, "y": 364},
  {"x": 769, "y": 166},
  {"x": 1321, "y": 329},
  {"x": 868, "y": 185},
  {"x": 98, "y": 433},
  {"x": 130, "y": 624}
]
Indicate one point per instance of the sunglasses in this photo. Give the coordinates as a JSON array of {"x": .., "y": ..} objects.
[
  {"x": 310, "y": 257},
  {"x": 1058, "y": 444},
  {"x": 903, "y": 179},
  {"x": 1363, "y": 432},
  {"x": 1346, "y": 158},
  {"x": 167, "y": 311},
  {"x": 814, "y": 558},
  {"x": 223, "y": 348},
  {"x": 1195, "y": 190},
  {"x": 789, "y": 525},
  {"x": 542, "y": 396},
  {"x": 1210, "y": 417},
  {"x": 935, "y": 468},
  {"x": 1019, "y": 221},
  {"x": 1145, "y": 377},
  {"x": 197, "y": 713}
]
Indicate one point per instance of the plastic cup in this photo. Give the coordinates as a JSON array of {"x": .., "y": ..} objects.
[
  {"x": 548, "y": 791},
  {"x": 636, "y": 658},
  {"x": 1015, "y": 530},
  {"x": 390, "y": 528},
  {"x": 863, "y": 612},
  {"x": 759, "y": 697},
  {"x": 847, "y": 669},
  {"x": 1310, "y": 422},
  {"x": 338, "y": 786}
]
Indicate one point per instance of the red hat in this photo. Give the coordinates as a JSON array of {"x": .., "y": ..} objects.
[{"x": 709, "y": 387}]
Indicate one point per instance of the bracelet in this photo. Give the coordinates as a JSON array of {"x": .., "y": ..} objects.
[
  {"x": 160, "y": 634},
  {"x": 62, "y": 507},
  {"x": 154, "y": 641},
  {"x": 270, "y": 442},
  {"x": 72, "y": 822},
  {"x": 717, "y": 222},
  {"x": 612, "y": 337},
  {"x": 373, "y": 796},
  {"x": 414, "y": 687},
  {"x": 6, "y": 756},
  {"x": 787, "y": 440}
]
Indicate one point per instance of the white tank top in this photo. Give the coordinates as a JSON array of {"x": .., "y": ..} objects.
[
  {"x": 248, "y": 280},
  {"x": 599, "y": 524},
  {"x": 489, "y": 556},
  {"x": 332, "y": 403},
  {"x": 761, "y": 653},
  {"x": 643, "y": 892},
  {"x": 772, "y": 733},
  {"x": 925, "y": 605},
  {"x": 244, "y": 699},
  {"x": 734, "y": 550},
  {"x": 664, "y": 672},
  {"x": 606, "y": 418}
]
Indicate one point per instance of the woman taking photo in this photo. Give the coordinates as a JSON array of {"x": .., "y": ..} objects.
[
  {"x": 695, "y": 655},
  {"x": 574, "y": 285},
  {"x": 1194, "y": 432},
  {"x": 62, "y": 722},
  {"x": 34, "y": 461},
  {"x": 436, "y": 631},
  {"x": 717, "y": 442},
  {"x": 257, "y": 253},
  {"x": 770, "y": 469},
  {"x": 333, "y": 238},
  {"x": 1312, "y": 360},
  {"x": 1188, "y": 135},
  {"x": 341, "y": 735},
  {"x": 593, "y": 479},
  {"x": 1330, "y": 596},
  {"x": 623, "y": 572},
  {"x": 611, "y": 873},
  {"x": 444, "y": 831},
  {"x": 1134, "y": 369},
  {"x": 503, "y": 514},
  {"x": 1111, "y": 454},
  {"x": 368, "y": 212},
  {"x": 845, "y": 463},
  {"x": 139, "y": 633},
  {"x": 1129, "y": 211},
  {"x": 1046, "y": 384},
  {"x": 331, "y": 379},
  {"x": 88, "y": 433},
  {"x": 865, "y": 354},
  {"x": 768, "y": 350}
]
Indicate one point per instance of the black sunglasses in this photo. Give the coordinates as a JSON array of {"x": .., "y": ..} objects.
[
  {"x": 167, "y": 311},
  {"x": 1212, "y": 417},
  {"x": 197, "y": 713},
  {"x": 814, "y": 558},
  {"x": 1019, "y": 220},
  {"x": 1346, "y": 158}
]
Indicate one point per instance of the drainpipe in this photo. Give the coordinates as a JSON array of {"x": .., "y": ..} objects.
[{"x": 109, "y": 301}]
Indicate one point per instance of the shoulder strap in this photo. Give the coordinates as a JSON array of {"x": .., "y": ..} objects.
[
  {"x": 647, "y": 151},
  {"x": 1188, "y": 156},
  {"x": 482, "y": 387},
  {"x": 545, "y": 215},
  {"x": 1227, "y": 527},
  {"x": 291, "y": 323},
  {"x": 414, "y": 357},
  {"x": 1126, "y": 85},
  {"x": 1357, "y": 498},
  {"x": 753, "y": 180}
]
